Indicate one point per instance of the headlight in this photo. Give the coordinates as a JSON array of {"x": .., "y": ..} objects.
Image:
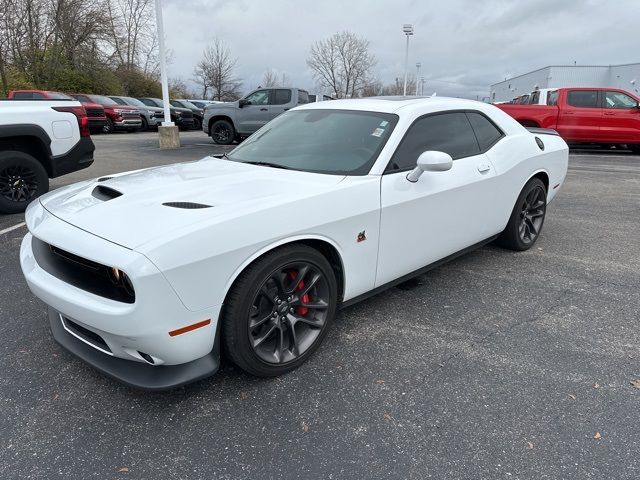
[{"x": 121, "y": 279}]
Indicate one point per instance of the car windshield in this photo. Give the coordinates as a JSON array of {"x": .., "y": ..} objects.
[
  {"x": 133, "y": 101},
  {"x": 341, "y": 142},
  {"x": 102, "y": 100},
  {"x": 189, "y": 105}
]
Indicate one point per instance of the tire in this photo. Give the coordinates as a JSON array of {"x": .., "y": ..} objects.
[
  {"x": 145, "y": 125},
  {"x": 197, "y": 123},
  {"x": 266, "y": 328},
  {"x": 222, "y": 132},
  {"x": 527, "y": 217},
  {"x": 22, "y": 179},
  {"x": 634, "y": 148},
  {"x": 109, "y": 127}
]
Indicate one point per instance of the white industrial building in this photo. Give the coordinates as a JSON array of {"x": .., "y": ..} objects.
[{"x": 626, "y": 77}]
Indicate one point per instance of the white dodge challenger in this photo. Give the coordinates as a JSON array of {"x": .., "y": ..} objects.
[{"x": 151, "y": 275}]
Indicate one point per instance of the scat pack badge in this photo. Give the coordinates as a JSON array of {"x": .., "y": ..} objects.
[{"x": 361, "y": 237}]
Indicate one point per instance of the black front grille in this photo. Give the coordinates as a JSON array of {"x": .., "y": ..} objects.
[
  {"x": 91, "y": 337},
  {"x": 188, "y": 114},
  {"x": 94, "y": 112},
  {"x": 80, "y": 272},
  {"x": 130, "y": 115}
]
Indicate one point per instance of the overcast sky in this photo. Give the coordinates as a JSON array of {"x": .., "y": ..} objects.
[{"x": 463, "y": 45}]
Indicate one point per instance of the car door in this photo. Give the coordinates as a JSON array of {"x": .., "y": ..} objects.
[
  {"x": 443, "y": 212},
  {"x": 281, "y": 101},
  {"x": 580, "y": 117},
  {"x": 620, "y": 118},
  {"x": 256, "y": 114}
]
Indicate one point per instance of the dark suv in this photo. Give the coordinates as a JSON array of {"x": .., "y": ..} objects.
[{"x": 197, "y": 112}]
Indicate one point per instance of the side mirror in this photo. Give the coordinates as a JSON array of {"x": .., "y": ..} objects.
[
  {"x": 430, "y": 161},
  {"x": 243, "y": 102}
]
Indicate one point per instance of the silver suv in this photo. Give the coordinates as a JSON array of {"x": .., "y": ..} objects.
[{"x": 226, "y": 122}]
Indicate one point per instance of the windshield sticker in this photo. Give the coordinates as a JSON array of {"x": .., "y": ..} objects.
[
  {"x": 384, "y": 123},
  {"x": 377, "y": 132}
]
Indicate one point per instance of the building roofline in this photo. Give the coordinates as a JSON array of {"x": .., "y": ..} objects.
[{"x": 563, "y": 66}]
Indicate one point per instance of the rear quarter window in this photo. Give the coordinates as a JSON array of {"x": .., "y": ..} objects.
[
  {"x": 486, "y": 132},
  {"x": 303, "y": 97}
]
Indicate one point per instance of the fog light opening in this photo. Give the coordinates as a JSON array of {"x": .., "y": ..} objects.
[{"x": 147, "y": 358}]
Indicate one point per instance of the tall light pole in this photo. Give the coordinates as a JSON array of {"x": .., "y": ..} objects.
[
  {"x": 168, "y": 132},
  {"x": 407, "y": 28},
  {"x": 418, "y": 65},
  {"x": 422, "y": 81}
]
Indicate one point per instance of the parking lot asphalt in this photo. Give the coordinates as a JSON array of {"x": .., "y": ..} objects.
[{"x": 496, "y": 365}]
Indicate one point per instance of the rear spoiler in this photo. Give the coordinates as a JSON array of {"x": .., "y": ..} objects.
[{"x": 543, "y": 131}]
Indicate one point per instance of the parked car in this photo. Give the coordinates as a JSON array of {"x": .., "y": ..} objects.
[
  {"x": 226, "y": 122},
  {"x": 151, "y": 116},
  {"x": 39, "y": 140},
  {"x": 585, "y": 115},
  {"x": 280, "y": 233},
  {"x": 197, "y": 111},
  {"x": 95, "y": 112},
  {"x": 119, "y": 117},
  {"x": 182, "y": 117}
]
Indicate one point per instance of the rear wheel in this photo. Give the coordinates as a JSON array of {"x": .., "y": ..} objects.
[
  {"x": 22, "y": 178},
  {"x": 222, "y": 132},
  {"x": 526, "y": 218},
  {"x": 279, "y": 311}
]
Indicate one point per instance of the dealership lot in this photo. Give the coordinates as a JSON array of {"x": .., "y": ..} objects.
[{"x": 497, "y": 365}]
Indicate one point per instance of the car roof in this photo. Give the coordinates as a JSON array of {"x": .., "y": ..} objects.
[{"x": 392, "y": 104}]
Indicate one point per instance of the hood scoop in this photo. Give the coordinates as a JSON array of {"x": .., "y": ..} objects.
[
  {"x": 104, "y": 193},
  {"x": 186, "y": 205}
]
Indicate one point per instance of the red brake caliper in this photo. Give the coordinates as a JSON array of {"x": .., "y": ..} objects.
[{"x": 305, "y": 298}]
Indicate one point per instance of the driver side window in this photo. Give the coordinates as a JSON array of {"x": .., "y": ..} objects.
[
  {"x": 260, "y": 97},
  {"x": 447, "y": 132}
]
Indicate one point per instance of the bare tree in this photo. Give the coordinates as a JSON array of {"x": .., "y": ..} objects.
[
  {"x": 397, "y": 87},
  {"x": 342, "y": 63},
  {"x": 271, "y": 78},
  {"x": 132, "y": 34},
  {"x": 215, "y": 72}
]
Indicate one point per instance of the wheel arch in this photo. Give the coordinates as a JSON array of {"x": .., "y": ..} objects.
[
  {"x": 29, "y": 139},
  {"x": 327, "y": 247},
  {"x": 217, "y": 117},
  {"x": 543, "y": 175},
  {"x": 529, "y": 123}
]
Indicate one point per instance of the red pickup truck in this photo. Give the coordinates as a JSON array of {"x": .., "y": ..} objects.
[{"x": 585, "y": 115}]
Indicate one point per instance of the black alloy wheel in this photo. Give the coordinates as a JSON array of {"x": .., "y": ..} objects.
[
  {"x": 279, "y": 310},
  {"x": 197, "y": 123},
  {"x": 109, "y": 126},
  {"x": 532, "y": 215},
  {"x": 222, "y": 132},
  {"x": 145, "y": 125},
  {"x": 288, "y": 312},
  {"x": 527, "y": 217},
  {"x": 22, "y": 178}
]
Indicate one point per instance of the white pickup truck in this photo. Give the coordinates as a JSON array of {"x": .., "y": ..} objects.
[{"x": 39, "y": 140}]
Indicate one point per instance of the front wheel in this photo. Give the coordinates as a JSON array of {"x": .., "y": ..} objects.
[
  {"x": 22, "y": 178},
  {"x": 222, "y": 132},
  {"x": 526, "y": 218},
  {"x": 109, "y": 127},
  {"x": 279, "y": 311},
  {"x": 197, "y": 123}
]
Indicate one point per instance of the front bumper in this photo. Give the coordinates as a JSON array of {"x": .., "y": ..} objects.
[
  {"x": 139, "y": 375},
  {"x": 128, "y": 123},
  {"x": 134, "y": 335}
]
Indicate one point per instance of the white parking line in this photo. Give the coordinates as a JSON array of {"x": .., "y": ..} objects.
[{"x": 15, "y": 227}]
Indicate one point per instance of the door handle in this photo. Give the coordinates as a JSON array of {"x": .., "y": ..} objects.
[
  {"x": 286, "y": 109},
  {"x": 609, "y": 113},
  {"x": 568, "y": 113},
  {"x": 484, "y": 167},
  {"x": 264, "y": 109}
]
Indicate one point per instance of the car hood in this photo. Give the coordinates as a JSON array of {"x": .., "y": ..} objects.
[{"x": 131, "y": 209}]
